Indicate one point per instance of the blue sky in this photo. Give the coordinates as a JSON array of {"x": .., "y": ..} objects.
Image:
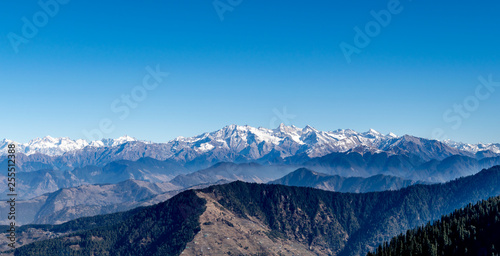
[{"x": 245, "y": 69}]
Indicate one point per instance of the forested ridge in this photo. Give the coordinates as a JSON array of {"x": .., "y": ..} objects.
[{"x": 473, "y": 230}]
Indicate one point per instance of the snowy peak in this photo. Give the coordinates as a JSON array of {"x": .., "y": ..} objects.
[
  {"x": 52, "y": 146},
  {"x": 372, "y": 131},
  {"x": 392, "y": 135},
  {"x": 123, "y": 139},
  {"x": 309, "y": 129},
  {"x": 373, "y": 134},
  {"x": 287, "y": 129},
  {"x": 58, "y": 146}
]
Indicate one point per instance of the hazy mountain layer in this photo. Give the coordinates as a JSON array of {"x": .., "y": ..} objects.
[
  {"x": 306, "y": 178},
  {"x": 249, "y": 172},
  {"x": 36, "y": 183}
]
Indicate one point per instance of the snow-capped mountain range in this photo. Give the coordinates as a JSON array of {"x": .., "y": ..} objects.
[
  {"x": 474, "y": 148},
  {"x": 250, "y": 143},
  {"x": 58, "y": 146}
]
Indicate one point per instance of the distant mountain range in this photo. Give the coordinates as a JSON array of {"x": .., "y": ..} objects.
[
  {"x": 257, "y": 219},
  {"x": 365, "y": 164},
  {"x": 235, "y": 143},
  {"x": 306, "y": 178},
  {"x": 342, "y": 152},
  {"x": 249, "y": 172},
  {"x": 58, "y": 146}
]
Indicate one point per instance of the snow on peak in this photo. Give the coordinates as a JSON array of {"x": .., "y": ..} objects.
[
  {"x": 123, "y": 139},
  {"x": 474, "y": 148},
  {"x": 309, "y": 129},
  {"x": 51, "y": 146},
  {"x": 372, "y": 134},
  {"x": 392, "y": 135}
]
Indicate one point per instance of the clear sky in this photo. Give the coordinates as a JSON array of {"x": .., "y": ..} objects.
[{"x": 65, "y": 67}]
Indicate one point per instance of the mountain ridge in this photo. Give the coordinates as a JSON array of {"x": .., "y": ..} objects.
[{"x": 320, "y": 142}]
